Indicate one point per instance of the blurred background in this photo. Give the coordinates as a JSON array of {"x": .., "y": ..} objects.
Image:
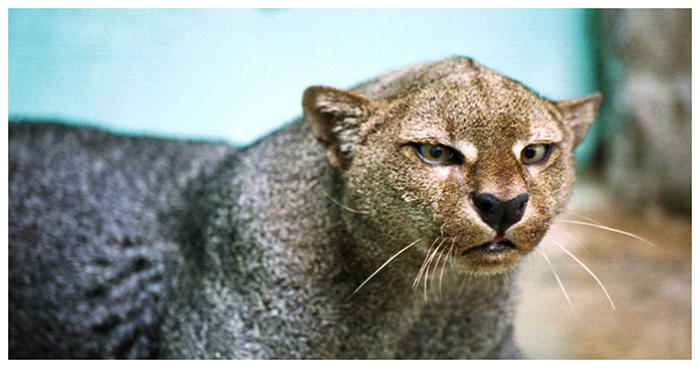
[{"x": 236, "y": 75}]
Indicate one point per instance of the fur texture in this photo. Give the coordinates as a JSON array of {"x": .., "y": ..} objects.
[{"x": 139, "y": 247}]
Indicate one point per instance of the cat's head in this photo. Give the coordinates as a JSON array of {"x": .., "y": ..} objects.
[{"x": 457, "y": 155}]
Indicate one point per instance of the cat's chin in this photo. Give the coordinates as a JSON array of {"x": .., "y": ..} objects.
[{"x": 490, "y": 258}]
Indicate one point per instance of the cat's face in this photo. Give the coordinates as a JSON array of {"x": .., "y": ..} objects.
[{"x": 473, "y": 163}]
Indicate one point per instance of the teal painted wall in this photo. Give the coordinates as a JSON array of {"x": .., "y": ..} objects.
[{"x": 238, "y": 74}]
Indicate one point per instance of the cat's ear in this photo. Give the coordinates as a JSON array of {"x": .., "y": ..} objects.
[
  {"x": 579, "y": 114},
  {"x": 335, "y": 117}
]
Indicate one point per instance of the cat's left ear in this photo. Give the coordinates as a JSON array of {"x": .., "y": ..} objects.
[
  {"x": 579, "y": 114},
  {"x": 335, "y": 117}
]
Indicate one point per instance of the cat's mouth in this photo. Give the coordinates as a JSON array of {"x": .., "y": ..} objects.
[
  {"x": 494, "y": 256},
  {"x": 495, "y": 246}
]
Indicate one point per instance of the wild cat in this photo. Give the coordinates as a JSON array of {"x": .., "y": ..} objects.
[{"x": 322, "y": 240}]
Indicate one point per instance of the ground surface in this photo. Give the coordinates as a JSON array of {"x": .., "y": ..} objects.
[{"x": 651, "y": 287}]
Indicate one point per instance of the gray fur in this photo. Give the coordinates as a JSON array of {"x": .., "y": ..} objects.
[
  {"x": 93, "y": 219},
  {"x": 126, "y": 247}
]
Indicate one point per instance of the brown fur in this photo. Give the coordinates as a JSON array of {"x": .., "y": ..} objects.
[
  {"x": 189, "y": 250},
  {"x": 367, "y": 141}
]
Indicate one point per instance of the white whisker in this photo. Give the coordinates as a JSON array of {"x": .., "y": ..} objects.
[
  {"x": 452, "y": 259},
  {"x": 437, "y": 264},
  {"x": 561, "y": 285},
  {"x": 571, "y": 237},
  {"x": 425, "y": 262},
  {"x": 583, "y": 217},
  {"x": 384, "y": 265},
  {"x": 609, "y": 229},
  {"x": 342, "y": 205},
  {"x": 462, "y": 285},
  {"x": 588, "y": 270},
  {"x": 449, "y": 252},
  {"x": 427, "y": 272}
]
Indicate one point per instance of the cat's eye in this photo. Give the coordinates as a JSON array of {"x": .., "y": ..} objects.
[
  {"x": 535, "y": 153},
  {"x": 436, "y": 154}
]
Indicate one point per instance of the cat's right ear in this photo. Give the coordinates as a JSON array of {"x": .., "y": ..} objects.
[{"x": 335, "y": 117}]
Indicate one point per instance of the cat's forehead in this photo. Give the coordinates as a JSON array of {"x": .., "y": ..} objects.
[{"x": 481, "y": 108}]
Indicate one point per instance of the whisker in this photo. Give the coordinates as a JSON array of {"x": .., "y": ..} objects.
[
  {"x": 462, "y": 285},
  {"x": 609, "y": 229},
  {"x": 427, "y": 271},
  {"x": 425, "y": 262},
  {"x": 561, "y": 285},
  {"x": 384, "y": 265},
  {"x": 587, "y": 269},
  {"x": 342, "y": 205},
  {"x": 582, "y": 216},
  {"x": 449, "y": 252},
  {"x": 437, "y": 264},
  {"x": 571, "y": 237},
  {"x": 452, "y": 260}
]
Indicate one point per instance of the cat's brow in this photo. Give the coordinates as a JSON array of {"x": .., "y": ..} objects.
[
  {"x": 541, "y": 132},
  {"x": 427, "y": 135},
  {"x": 467, "y": 149}
]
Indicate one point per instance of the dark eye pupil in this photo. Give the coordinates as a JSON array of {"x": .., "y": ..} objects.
[
  {"x": 436, "y": 151},
  {"x": 530, "y": 152}
]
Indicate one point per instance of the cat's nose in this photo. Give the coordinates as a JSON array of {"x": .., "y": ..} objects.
[{"x": 498, "y": 214}]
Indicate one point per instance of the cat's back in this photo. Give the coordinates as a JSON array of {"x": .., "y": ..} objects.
[{"x": 93, "y": 219}]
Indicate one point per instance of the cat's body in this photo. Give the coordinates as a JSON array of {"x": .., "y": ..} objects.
[
  {"x": 138, "y": 247},
  {"x": 96, "y": 286},
  {"x": 93, "y": 218}
]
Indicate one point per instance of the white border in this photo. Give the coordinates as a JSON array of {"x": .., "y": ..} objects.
[{"x": 273, "y": 4}]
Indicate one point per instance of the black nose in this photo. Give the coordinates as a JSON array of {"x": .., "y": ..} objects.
[{"x": 498, "y": 214}]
